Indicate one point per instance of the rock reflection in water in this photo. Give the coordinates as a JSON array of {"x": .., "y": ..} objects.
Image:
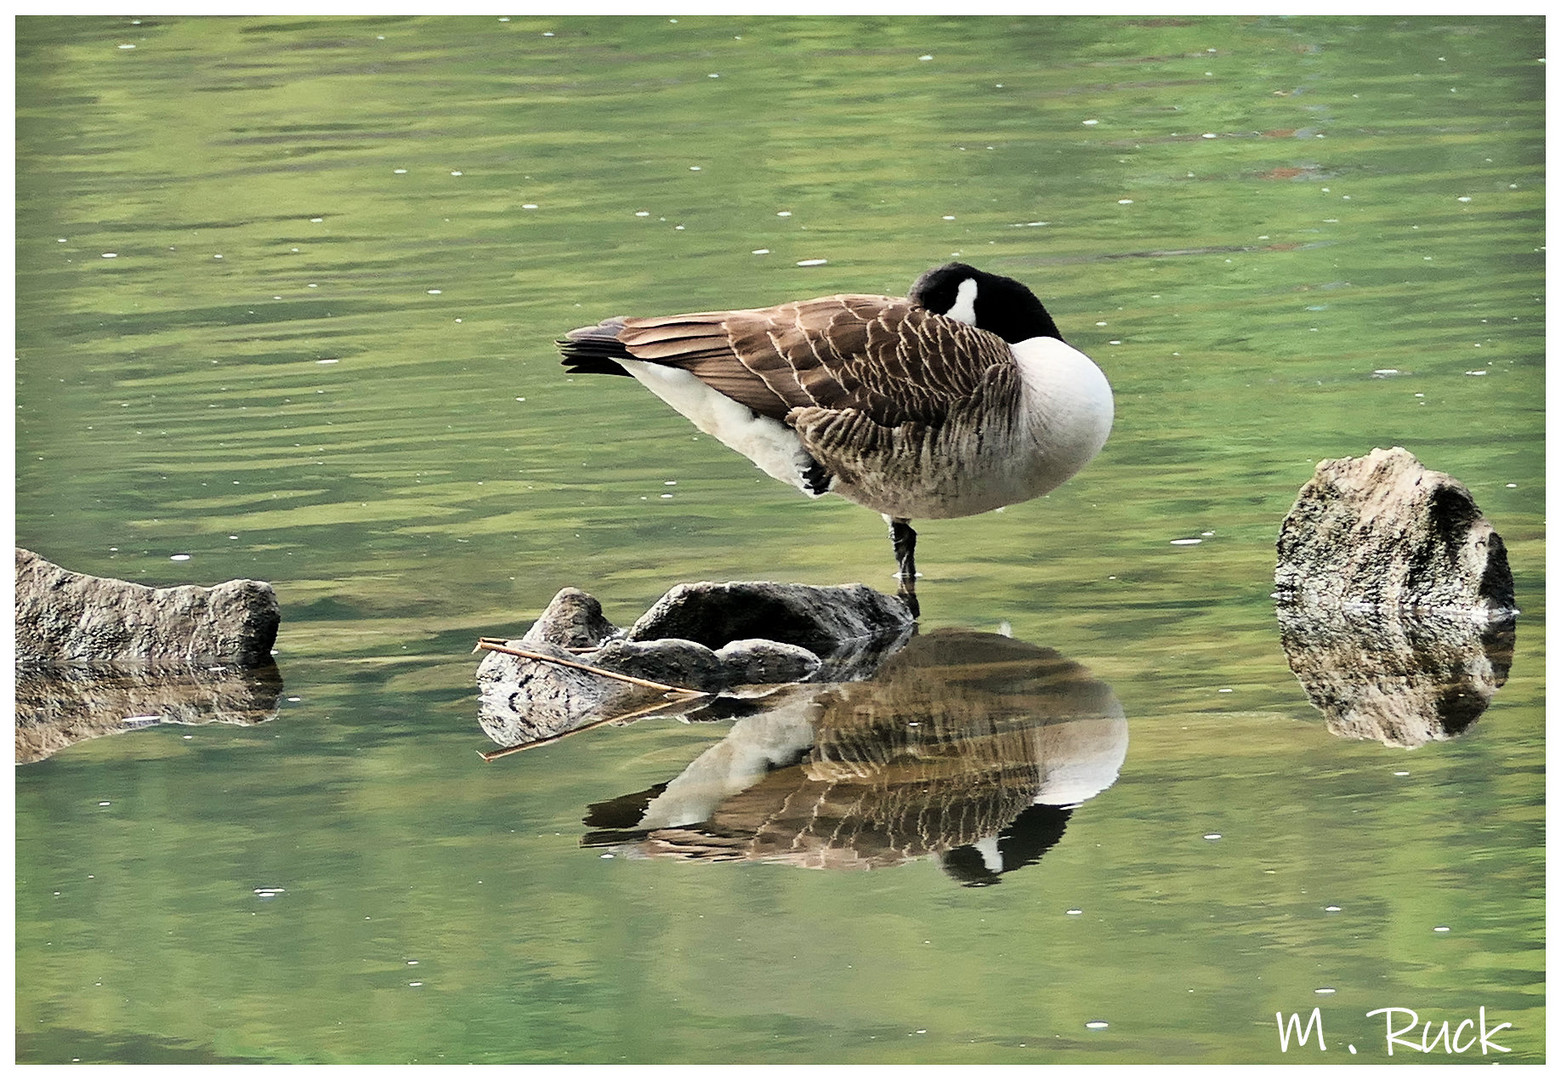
[
  {"x": 1403, "y": 678},
  {"x": 972, "y": 748},
  {"x": 58, "y": 705}
]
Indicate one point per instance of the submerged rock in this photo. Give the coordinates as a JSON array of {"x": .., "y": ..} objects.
[
  {"x": 706, "y": 638},
  {"x": 1384, "y": 531},
  {"x": 65, "y": 617}
]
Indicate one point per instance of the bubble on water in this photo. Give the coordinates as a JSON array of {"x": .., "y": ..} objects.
[
  {"x": 761, "y": 251},
  {"x": 1124, "y": 202},
  {"x": 1091, "y": 123},
  {"x": 179, "y": 558},
  {"x": 1096, "y": 1025},
  {"x": 819, "y": 262},
  {"x": 1188, "y": 542},
  {"x": 783, "y": 213},
  {"x": 1212, "y": 836}
]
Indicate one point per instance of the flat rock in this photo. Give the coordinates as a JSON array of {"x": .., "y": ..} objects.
[
  {"x": 63, "y": 617},
  {"x": 1384, "y": 531}
]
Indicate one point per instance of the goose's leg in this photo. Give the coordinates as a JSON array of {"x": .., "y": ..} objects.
[{"x": 903, "y": 537}]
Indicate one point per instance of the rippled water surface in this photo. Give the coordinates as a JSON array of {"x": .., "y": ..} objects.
[{"x": 286, "y": 297}]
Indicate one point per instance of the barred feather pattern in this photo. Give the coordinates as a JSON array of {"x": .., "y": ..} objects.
[{"x": 913, "y": 413}]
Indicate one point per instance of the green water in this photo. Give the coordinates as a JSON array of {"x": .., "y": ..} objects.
[{"x": 321, "y": 355}]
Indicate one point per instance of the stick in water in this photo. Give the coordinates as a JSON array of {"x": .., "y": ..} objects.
[{"x": 490, "y": 645}]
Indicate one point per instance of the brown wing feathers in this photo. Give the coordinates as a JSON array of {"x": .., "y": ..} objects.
[{"x": 877, "y": 356}]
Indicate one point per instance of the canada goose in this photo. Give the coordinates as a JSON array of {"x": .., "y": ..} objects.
[{"x": 955, "y": 400}]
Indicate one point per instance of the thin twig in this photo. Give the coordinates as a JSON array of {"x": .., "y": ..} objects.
[
  {"x": 509, "y": 650},
  {"x": 632, "y": 714}
]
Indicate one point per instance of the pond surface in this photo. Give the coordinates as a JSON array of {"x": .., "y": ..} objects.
[{"x": 287, "y": 293}]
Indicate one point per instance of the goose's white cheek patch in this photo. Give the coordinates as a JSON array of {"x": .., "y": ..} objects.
[{"x": 964, "y": 308}]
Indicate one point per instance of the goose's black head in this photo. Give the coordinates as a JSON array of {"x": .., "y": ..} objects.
[{"x": 998, "y": 304}]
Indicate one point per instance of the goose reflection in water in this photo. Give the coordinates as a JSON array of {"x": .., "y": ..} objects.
[{"x": 970, "y": 748}]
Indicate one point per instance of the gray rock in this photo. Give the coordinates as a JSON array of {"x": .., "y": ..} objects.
[
  {"x": 1384, "y": 531},
  {"x": 574, "y": 620},
  {"x": 755, "y": 661},
  {"x": 66, "y": 617},
  {"x": 851, "y": 628},
  {"x": 673, "y": 661},
  {"x": 703, "y": 637},
  {"x": 812, "y": 616},
  {"x": 523, "y": 700}
]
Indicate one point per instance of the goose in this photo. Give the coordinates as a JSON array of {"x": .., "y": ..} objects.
[{"x": 959, "y": 398}]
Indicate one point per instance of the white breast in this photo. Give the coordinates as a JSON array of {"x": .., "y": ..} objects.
[{"x": 1066, "y": 409}]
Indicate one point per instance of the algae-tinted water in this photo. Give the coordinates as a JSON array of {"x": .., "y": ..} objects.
[{"x": 286, "y": 296}]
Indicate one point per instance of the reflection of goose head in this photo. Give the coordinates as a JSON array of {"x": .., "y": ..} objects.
[{"x": 970, "y": 747}]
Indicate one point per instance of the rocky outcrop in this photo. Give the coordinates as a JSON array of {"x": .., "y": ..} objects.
[
  {"x": 63, "y": 617},
  {"x": 98, "y": 656},
  {"x": 1395, "y": 600},
  {"x": 735, "y": 639},
  {"x": 1384, "y": 531}
]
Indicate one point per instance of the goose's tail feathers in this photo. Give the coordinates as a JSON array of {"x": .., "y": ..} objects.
[{"x": 595, "y": 350}]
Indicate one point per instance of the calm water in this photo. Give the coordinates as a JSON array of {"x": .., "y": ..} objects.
[{"x": 286, "y": 297}]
